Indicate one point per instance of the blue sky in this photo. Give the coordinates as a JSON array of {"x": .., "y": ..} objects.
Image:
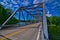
[{"x": 52, "y": 6}]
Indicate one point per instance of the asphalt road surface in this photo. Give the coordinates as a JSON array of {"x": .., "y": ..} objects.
[{"x": 29, "y": 32}]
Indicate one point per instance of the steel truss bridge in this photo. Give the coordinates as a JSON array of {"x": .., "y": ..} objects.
[{"x": 39, "y": 26}]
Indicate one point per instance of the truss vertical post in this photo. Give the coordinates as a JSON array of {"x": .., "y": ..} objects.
[
  {"x": 23, "y": 16},
  {"x": 44, "y": 25},
  {"x": 27, "y": 18},
  {"x": 19, "y": 18}
]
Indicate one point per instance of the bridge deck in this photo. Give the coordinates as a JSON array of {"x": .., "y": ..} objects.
[{"x": 29, "y": 32}]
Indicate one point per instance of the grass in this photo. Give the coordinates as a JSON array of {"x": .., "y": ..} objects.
[{"x": 54, "y": 32}]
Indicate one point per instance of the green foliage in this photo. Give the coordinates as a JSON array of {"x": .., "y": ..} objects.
[
  {"x": 54, "y": 32},
  {"x": 54, "y": 27},
  {"x": 4, "y": 14},
  {"x": 53, "y": 20}
]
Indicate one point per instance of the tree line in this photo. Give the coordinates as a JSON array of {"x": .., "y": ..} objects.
[{"x": 53, "y": 20}]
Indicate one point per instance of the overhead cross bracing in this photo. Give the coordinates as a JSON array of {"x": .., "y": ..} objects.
[{"x": 26, "y": 9}]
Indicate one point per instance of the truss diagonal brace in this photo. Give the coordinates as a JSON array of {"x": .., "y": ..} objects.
[{"x": 9, "y": 18}]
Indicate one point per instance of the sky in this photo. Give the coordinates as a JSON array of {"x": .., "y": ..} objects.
[{"x": 52, "y": 7}]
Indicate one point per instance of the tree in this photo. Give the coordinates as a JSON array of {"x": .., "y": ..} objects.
[
  {"x": 4, "y": 14},
  {"x": 53, "y": 20}
]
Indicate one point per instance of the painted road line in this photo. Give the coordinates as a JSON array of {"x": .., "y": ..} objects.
[
  {"x": 38, "y": 36},
  {"x": 14, "y": 33}
]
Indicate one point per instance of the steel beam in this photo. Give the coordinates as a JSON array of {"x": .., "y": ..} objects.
[{"x": 9, "y": 18}]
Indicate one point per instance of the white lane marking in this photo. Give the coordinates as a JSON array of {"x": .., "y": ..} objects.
[{"x": 38, "y": 34}]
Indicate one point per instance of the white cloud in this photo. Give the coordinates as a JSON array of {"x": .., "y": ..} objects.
[
  {"x": 36, "y": 1},
  {"x": 46, "y": 0},
  {"x": 10, "y": 5},
  {"x": 4, "y": 0},
  {"x": 16, "y": 5},
  {"x": 48, "y": 14},
  {"x": 2, "y": 3},
  {"x": 14, "y": 2},
  {"x": 25, "y": 3}
]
